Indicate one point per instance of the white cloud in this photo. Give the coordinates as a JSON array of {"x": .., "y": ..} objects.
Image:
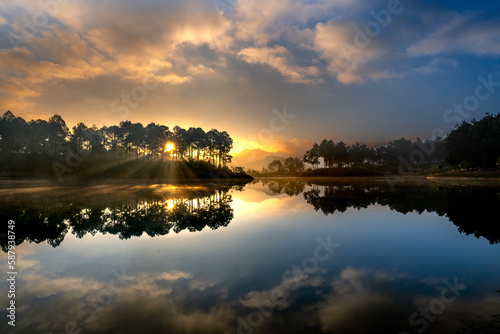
[
  {"x": 281, "y": 296},
  {"x": 173, "y": 275},
  {"x": 276, "y": 57},
  {"x": 348, "y": 60},
  {"x": 435, "y": 66},
  {"x": 200, "y": 69},
  {"x": 351, "y": 300},
  {"x": 464, "y": 33}
]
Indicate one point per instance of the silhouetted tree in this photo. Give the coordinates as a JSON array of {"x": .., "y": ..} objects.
[
  {"x": 35, "y": 146},
  {"x": 475, "y": 144},
  {"x": 312, "y": 156},
  {"x": 293, "y": 166},
  {"x": 275, "y": 167},
  {"x": 327, "y": 151}
]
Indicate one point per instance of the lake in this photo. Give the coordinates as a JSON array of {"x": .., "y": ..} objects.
[{"x": 270, "y": 256}]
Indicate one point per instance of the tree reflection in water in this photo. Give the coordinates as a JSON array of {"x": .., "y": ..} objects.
[
  {"x": 48, "y": 214},
  {"x": 123, "y": 211},
  {"x": 473, "y": 208}
]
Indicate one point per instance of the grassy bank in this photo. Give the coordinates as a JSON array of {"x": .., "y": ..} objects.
[
  {"x": 139, "y": 169},
  {"x": 467, "y": 174}
]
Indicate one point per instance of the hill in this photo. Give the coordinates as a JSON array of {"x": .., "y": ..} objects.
[{"x": 256, "y": 158}]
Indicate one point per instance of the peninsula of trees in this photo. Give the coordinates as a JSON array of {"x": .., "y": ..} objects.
[
  {"x": 470, "y": 149},
  {"x": 470, "y": 146},
  {"x": 129, "y": 150}
]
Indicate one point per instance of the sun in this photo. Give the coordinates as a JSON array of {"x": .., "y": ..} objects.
[
  {"x": 169, "y": 205},
  {"x": 169, "y": 147}
]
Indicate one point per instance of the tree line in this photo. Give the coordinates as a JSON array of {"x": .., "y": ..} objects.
[
  {"x": 42, "y": 141},
  {"x": 288, "y": 166},
  {"x": 358, "y": 156},
  {"x": 474, "y": 144}
]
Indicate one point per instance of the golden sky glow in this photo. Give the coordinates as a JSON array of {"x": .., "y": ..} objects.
[{"x": 195, "y": 63}]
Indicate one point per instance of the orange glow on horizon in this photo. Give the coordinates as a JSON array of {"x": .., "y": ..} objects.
[{"x": 241, "y": 144}]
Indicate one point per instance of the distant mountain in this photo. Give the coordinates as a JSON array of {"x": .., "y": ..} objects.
[
  {"x": 251, "y": 154},
  {"x": 256, "y": 158},
  {"x": 257, "y": 165}
]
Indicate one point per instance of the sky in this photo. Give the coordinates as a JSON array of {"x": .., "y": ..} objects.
[{"x": 276, "y": 74}]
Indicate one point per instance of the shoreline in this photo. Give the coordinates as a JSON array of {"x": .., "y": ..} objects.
[
  {"x": 462, "y": 178},
  {"x": 221, "y": 181}
]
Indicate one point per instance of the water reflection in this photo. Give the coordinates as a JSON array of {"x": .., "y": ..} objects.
[
  {"x": 50, "y": 214},
  {"x": 396, "y": 250},
  {"x": 472, "y": 208}
]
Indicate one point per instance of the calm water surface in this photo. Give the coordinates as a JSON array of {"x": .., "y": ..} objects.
[{"x": 271, "y": 256}]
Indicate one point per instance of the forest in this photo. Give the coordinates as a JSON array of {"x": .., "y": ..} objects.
[
  {"x": 470, "y": 145},
  {"x": 329, "y": 158},
  {"x": 475, "y": 144},
  {"x": 40, "y": 147},
  {"x": 131, "y": 150},
  {"x": 384, "y": 157}
]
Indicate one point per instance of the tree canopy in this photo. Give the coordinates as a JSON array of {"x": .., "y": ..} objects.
[
  {"x": 35, "y": 145},
  {"x": 359, "y": 156},
  {"x": 475, "y": 144}
]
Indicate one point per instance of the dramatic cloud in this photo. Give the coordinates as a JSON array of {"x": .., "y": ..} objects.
[
  {"x": 346, "y": 59},
  {"x": 228, "y": 63}
]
